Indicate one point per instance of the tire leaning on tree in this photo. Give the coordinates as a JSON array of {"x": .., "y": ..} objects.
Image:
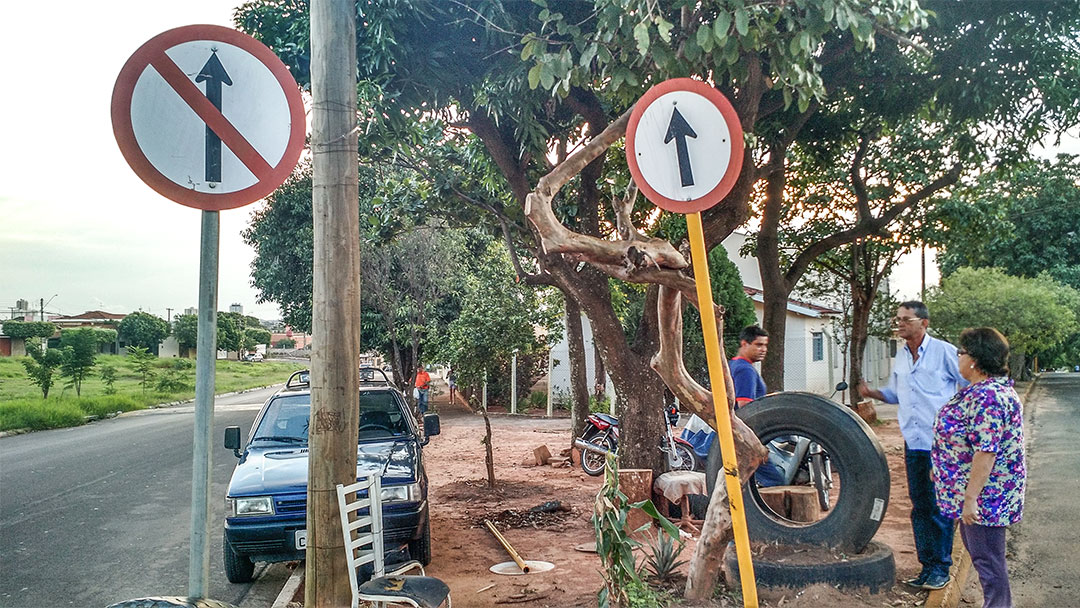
[{"x": 856, "y": 458}]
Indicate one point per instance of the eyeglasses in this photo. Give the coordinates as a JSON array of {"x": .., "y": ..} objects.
[
  {"x": 898, "y": 320},
  {"x": 961, "y": 351}
]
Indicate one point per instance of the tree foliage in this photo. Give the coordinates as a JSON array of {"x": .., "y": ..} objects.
[
  {"x": 41, "y": 366},
  {"x": 1034, "y": 314},
  {"x": 29, "y": 329},
  {"x": 143, "y": 329},
  {"x": 143, "y": 361},
  {"x": 80, "y": 349},
  {"x": 186, "y": 330},
  {"x": 230, "y": 331},
  {"x": 1024, "y": 220}
]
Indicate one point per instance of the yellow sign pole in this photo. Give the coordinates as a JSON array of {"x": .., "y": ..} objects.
[{"x": 723, "y": 419}]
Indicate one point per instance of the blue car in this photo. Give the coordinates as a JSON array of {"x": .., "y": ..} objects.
[{"x": 265, "y": 507}]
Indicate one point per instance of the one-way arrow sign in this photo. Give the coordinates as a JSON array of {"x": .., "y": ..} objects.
[
  {"x": 215, "y": 75},
  {"x": 678, "y": 129},
  {"x": 696, "y": 174}
]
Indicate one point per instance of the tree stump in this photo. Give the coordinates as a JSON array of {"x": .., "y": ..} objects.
[
  {"x": 866, "y": 411},
  {"x": 797, "y": 503}
]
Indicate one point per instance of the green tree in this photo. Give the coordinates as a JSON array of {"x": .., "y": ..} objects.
[
  {"x": 1034, "y": 314},
  {"x": 1024, "y": 220},
  {"x": 108, "y": 377},
  {"x": 285, "y": 343},
  {"x": 80, "y": 348},
  {"x": 230, "y": 331},
  {"x": 186, "y": 330},
  {"x": 143, "y": 361},
  {"x": 41, "y": 366},
  {"x": 29, "y": 329},
  {"x": 254, "y": 336},
  {"x": 143, "y": 329}
]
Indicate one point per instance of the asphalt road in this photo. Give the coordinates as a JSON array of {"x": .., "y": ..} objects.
[
  {"x": 101, "y": 513},
  {"x": 1042, "y": 547}
]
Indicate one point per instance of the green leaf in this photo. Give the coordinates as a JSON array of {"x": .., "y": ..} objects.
[
  {"x": 587, "y": 56},
  {"x": 663, "y": 26},
  {"x": 705, "y": 39},
  {"x": 742, "y": 21},
  {"x": 641, "y": 36},
  {"x": 534, "y": 76},
  {"x": 721, "y": 26}
]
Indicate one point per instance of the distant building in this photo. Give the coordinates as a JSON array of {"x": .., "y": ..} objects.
[
  {"x": 238, "y": 308},
  {"x": 191, "y": 310}
]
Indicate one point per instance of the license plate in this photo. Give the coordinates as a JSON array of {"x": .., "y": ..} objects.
[{"x": 301, "y": 539}]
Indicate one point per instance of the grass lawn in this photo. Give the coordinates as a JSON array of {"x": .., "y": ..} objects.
[{"x": 21, "y": 405}]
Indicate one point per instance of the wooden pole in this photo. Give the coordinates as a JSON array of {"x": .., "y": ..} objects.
[{"x": 335, "y": 314}]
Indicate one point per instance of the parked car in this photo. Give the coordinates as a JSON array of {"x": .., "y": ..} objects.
[
  {"x": 253, "y": 357},
  {"x": 265, "y": 514}
]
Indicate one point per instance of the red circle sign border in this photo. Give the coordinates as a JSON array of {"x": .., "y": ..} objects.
[
  {"x": 129, "y": 147},
  {"x": 734, "y": 127}
]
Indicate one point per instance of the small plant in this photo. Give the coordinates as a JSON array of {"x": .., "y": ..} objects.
[
  {"x": 183, "y": 364},
  {"x": 41, "y": 366},
  {"x": 623, "y": 585},
  {"x": 601, "y": 405},
  {"x": 663, "y": 558},
  {"x": 172, "y": 381},
  {"x": 143, "y": 362},
  {"x": 108, "y": 377},
  {"x": 537, "y": 399}
]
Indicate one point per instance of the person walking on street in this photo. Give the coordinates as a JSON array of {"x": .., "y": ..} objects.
[
  {"x": 978, "y": 459},
  {"x": 423, "y": 386},
  {"x": 451, "y": 381},
  {"x": 753, "y": 346},
  {"x": 925, "y": 376}
]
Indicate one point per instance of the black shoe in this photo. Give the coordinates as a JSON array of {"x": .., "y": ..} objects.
[
  {"x": 918, "y": 581},
  {"x": 935, "y": 581}
]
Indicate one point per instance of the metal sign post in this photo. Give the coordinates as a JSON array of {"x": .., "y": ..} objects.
[
  {"x": 171, "y": 132},
  {"x": 684, "y": 147}
]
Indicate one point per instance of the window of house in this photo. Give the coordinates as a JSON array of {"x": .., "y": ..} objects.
[{"x": 819, "y": 346}]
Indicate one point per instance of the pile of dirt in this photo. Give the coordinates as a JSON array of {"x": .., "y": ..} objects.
[{"x": 526, "y": 518}]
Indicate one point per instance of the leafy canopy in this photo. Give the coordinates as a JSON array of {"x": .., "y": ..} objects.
[{"x": 143, "y": 329}]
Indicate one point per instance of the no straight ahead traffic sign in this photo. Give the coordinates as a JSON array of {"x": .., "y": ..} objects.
[{"x": 208, "y": 117}]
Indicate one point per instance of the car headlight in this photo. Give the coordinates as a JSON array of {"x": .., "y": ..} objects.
[
  {"x": 250, "y": 505},
  {"x": 406, "y": 493}
]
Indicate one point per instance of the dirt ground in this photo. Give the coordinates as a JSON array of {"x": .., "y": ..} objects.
[{"x": 463, "y": 550}]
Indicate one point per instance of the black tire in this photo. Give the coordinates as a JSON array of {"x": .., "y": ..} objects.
[
  {"x": 856, "y": 457},
  {"x": 689, "y": 459},
  {"x": 238, "y": 568},
  {"x": 593, "y": 463},
  {"x": 420, "y": 548},
  {"x": 873, "y": 569}
]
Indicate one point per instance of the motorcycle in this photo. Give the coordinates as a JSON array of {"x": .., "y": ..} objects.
[
  {"x": 601, "y": 437},
  {"x": 797, "y": 460}
]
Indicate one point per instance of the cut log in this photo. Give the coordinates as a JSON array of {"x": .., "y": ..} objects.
[
  {"x": 542, "y": 455},
  {"x": 776, "y": 498},
  {"x": 803, "y": 503},
  {"x": 866, "y": 411}
]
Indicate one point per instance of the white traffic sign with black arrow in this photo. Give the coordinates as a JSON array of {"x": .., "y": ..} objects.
[
  {"x": 684, "y": 145},
  {"x": 189, "y": 90}
]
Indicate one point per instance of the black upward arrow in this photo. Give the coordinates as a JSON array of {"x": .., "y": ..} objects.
[
  {"x": 215, "y": 75},
  {"x": 678, "y": 129}
]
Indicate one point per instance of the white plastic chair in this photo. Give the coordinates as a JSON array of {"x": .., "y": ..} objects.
[{"x": 363, "y": 535}]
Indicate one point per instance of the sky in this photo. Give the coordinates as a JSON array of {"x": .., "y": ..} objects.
[{"x": 78, "y": 229}]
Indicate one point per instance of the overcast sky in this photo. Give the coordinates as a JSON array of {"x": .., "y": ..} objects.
[{"x": 77, "y": 226}]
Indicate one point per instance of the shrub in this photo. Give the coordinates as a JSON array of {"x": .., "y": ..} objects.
[
  {"x": 536, "y": 399},
  {"x": 182, "y": 364},
  {"x": 172, "y": 381},
  {"x": 108, "y": 376}
]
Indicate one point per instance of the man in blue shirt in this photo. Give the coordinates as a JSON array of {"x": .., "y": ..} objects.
[
  {"x": 925, "y": 376},
  {"x": 753, "y": 346}
]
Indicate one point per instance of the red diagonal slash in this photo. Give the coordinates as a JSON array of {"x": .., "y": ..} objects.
[{"x": 213, "y": 117}]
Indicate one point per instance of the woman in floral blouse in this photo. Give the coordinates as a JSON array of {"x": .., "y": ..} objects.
[{"x": 978, "y": 458}]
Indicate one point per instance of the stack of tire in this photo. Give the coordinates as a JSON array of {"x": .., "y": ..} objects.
[{"x": 851, "y": 523}]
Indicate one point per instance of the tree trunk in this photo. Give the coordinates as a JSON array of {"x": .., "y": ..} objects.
[
  {"x": 579, "y": 392},
  {"x": 775, "y": 322},
  {"x": 489, "y": 458},
  {"x": 773, "y": 282},
  {"x": 861, "y": 302},
  {"x": 599, "y": 376}
]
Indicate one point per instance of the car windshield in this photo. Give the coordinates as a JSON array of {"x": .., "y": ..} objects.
[{"x": 286, "y": 419}]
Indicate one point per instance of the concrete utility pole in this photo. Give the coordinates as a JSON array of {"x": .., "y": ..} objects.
[{"x": 335, "y": 299}]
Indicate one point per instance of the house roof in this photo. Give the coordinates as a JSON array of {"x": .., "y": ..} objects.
[
  {"x": 806, "y": 309},
  {"x": 90, "y": 315}
]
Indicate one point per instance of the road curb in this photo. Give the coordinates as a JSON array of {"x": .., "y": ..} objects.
[
  {"x": 949, "y": 596},
  {"x": 290, "y": 587}
]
